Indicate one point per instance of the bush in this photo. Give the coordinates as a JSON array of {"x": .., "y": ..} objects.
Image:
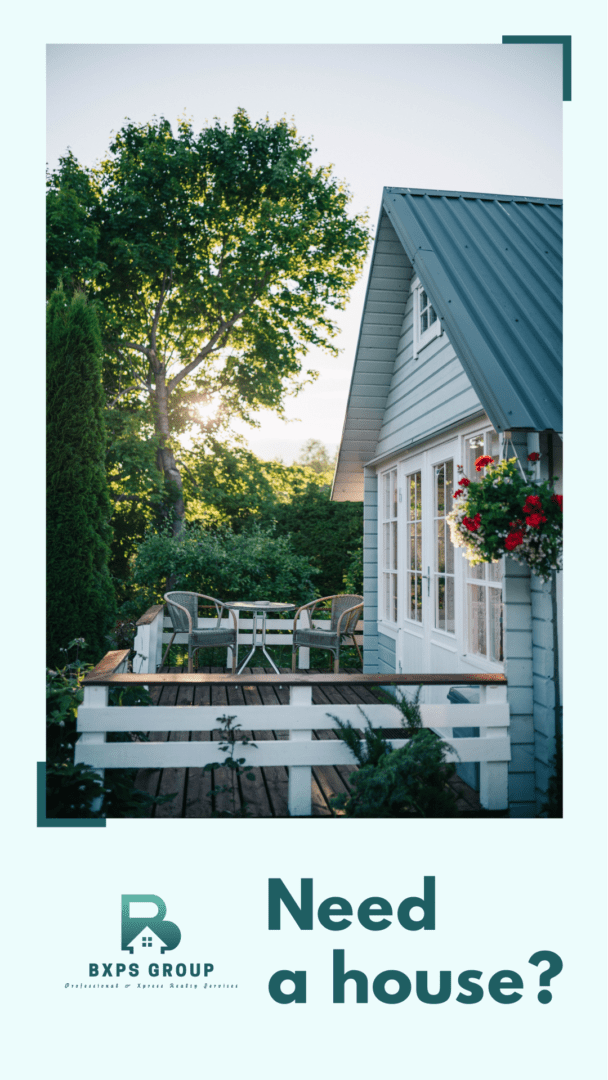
[
  {"x": 410, "y": 782},
  {"x": 252, "y": 565}
]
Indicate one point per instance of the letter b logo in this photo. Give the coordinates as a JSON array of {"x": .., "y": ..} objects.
[{"x": 168, "y": 932}]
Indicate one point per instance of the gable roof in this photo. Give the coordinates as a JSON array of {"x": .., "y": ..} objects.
[{"x": 492, "y": 267}]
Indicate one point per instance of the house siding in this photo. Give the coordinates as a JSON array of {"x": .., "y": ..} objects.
[{"x": 426, "y": 394}]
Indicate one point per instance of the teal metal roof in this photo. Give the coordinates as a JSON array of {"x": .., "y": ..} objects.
[{"x": 492, "y": 266}]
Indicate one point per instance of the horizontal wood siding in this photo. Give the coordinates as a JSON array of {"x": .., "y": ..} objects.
[
  {"x": 518, "y": 669},
  {"x": 379, "y": 337},
  {"x": 386, "y": 655},
  {"x": 426, "y": 394}
]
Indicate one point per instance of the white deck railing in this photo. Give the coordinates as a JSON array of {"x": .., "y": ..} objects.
[
  {"x": 300, "y": 753},
  {"x": 154, "y": 632}
]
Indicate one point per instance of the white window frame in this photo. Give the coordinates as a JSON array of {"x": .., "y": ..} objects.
[
  {"x": 422, "y": 338},
  {"x": 389, "y": 585}
]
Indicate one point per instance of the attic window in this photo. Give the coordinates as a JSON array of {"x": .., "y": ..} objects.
[{"x": 427, "y": 325}]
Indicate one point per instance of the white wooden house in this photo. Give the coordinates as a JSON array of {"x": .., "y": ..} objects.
[{"x": 459, "y": 355}]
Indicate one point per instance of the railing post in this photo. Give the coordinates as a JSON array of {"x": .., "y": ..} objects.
[
  {"x": 141, "y": 645},
  {"x": 229, "y": 650},
  {"x": 299, "y": 798},
  {"x": 493, "y": 775},
  {"x": 304, "y": 653},
  {"x": 94, "y": 697},
  {"x": 159, "y": 625}
]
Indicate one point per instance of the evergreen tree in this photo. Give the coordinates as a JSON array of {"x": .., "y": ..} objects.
[{"x": 80, "y": 594}]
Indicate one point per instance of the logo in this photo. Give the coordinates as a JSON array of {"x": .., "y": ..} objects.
[{"x": 131, "y": 927}]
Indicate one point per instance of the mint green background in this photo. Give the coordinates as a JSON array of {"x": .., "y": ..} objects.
[{"x": 504, "y": 889}]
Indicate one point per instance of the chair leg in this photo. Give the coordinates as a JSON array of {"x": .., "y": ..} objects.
[
  {"x": 234, "y": 658},
  {"x": 337, "y": 661},
  {"x": 162, "y": 663},
  {"x": 356, "y": 644},
  {"x": 190, "y": 659},
  {"x": 293, "y": 658}
]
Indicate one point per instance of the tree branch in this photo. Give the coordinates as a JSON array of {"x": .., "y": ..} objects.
[{"x": 223, "y": 329}]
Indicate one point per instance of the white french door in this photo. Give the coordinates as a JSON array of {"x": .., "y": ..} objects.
[{"x": 429, "y": 638}]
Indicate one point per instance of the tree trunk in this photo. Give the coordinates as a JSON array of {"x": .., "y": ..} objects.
[{"x": 166, "y": 459}]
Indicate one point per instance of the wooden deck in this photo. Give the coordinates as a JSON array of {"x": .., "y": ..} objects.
[{"x": 198, "y": 794}]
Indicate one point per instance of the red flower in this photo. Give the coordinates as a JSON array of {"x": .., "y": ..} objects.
[
  {"x": 464, "y": 482},
  {"x": 515, "y": 524},
  {"x": 514, "y": 539},
  {"x": 535, "y": 520},
  {"x": 532, "y": 504},
  {"x": 457, "y": 493},
  {"x": 483, "y": 461},
  {"x": 559, "y": 499},
  {"x": 534, "y": 457},
  {"x": 472, "y": 524}
]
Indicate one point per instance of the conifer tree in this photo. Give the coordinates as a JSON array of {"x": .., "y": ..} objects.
[{"x": 80, "y": 594}]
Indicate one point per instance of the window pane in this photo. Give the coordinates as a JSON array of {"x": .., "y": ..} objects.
[
  {"x": 476, "y": 596},
  {"x": 418, "y": 547},
  {"x": 387, "y": 607},
  {"x": 386, "y": 561},
  {"x": 418, "y": 598},
  {"x": 476, "y": 571},
  {"x": 387, "y": 495},
  {"x": 432, "y": 316},
  {"x": 412, "y": 547},
  {"x": 449, "y": 551},
  {"x": 495, "y": 623},
  {"x": 424, "y": 322},
  {"x": 423, "y": 300},
  {"x": 440, "y": 499},
  {"x": 440, "y": 546},
  {"x": 394, "y": 539},
  {"x": 412, "y": 502},
  {"x": 440, "y": 604},
  {"x": 394, "y": 475},
  {"x": 495, "y": 571},
  {"x": 475, "y": 449},
  {"x": 449, "y": 604},
  {"x": 395, "y": 609}
]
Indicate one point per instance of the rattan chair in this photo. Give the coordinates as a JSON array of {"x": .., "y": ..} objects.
[
  {"x": 183, "y": 611},
  {"x": 345, "y": 612}
]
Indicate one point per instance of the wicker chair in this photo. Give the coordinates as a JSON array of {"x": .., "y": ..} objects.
[
  {"x": 183, "y": 611},
  {"x": 345, "y": 612}
]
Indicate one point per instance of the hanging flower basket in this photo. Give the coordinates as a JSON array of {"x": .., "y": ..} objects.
[{"x": 506, "y": 513}]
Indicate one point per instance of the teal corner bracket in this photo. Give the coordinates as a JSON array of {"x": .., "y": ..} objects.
[
  {"x": 565, "y": 40},
  {"x": 58, "y": 823}
]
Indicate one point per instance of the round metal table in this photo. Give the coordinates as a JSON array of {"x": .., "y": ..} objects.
[{"x": 260, "y": 610}]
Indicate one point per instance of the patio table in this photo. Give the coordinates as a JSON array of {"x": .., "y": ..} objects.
[{"x": 260, "y": 610}]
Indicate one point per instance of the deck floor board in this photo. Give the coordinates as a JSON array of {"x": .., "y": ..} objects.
[{"x": 198, "y": 794}]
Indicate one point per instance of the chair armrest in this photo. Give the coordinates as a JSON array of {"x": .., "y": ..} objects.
[
  {"x": 355, "y": 607},
  {"x": 182, "y": 608},
  {"x": 312, "y": 605}
]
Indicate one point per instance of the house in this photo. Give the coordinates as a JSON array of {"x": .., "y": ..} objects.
[{"x": 459, "y": 355}]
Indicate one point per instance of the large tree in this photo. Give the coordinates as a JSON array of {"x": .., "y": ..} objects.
[
  {"x": 218, "y": 259},
  {"x": 80, "y": 595}
]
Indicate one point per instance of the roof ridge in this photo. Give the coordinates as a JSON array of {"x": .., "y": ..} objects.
[{"x": 471, "y": 195}]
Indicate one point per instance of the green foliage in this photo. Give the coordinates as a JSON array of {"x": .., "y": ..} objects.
[
  {"x": 80, "y": 595},
  {"x": 327, "y": 532},
  {"x": 70, "y": 789},
  {"x": 217, "y": 258},
  {"x": 315, "y": 455},
  {"x": 231, "y": 566},
  {"x": 237, "y": 770},
  {"x": 409, "y": 782},
  {"x": 507, "y": 513}
]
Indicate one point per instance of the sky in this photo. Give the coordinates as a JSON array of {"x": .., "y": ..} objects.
[{"x": 485, "y": 118}]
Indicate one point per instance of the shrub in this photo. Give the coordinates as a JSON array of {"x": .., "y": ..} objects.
[
  {"x": 409, "y": 782},
  {"x": 252, "y": 565}
]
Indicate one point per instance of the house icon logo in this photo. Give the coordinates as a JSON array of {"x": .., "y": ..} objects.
[{"x": 131, "y": 926}]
